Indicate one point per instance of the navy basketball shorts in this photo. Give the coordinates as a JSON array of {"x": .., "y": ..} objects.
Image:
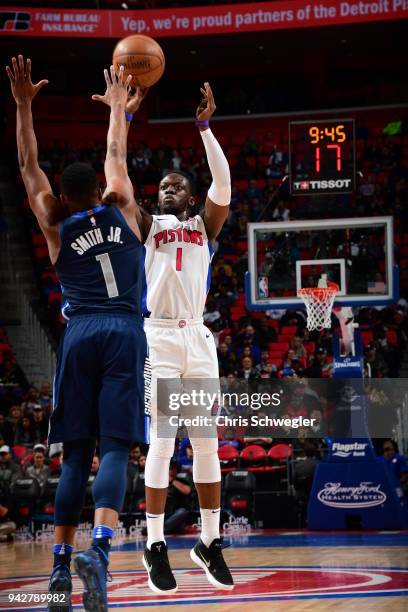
[{"x": 99, "y": 382}]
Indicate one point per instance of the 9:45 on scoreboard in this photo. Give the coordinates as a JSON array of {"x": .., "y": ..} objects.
[{"x": 322, "y": 157}]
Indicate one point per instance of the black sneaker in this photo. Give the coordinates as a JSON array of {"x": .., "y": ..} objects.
[
  {"x": 60, "y": 582},
  {"x": 156, "y": 562},
  {"x": 213, "y": 563}
]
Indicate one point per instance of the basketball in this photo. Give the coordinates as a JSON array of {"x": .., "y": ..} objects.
[{"x": 142, "y": 57}]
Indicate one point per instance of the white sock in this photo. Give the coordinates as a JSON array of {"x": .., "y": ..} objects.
[
  {"x": 210, "y": 521},
  {"x": 155, "y": 528}
]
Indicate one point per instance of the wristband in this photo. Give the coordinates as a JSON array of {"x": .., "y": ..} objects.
[
  {"x": 204, "y": 123},
  {"x": 128, "y": 116}
]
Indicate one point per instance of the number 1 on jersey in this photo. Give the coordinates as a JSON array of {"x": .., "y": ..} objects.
[
  {"x": 108, "y": 274},
  {"x": 178, "y": 259}
]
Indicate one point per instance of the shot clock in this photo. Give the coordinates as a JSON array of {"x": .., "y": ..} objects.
[{"x": 321, "y": 157}]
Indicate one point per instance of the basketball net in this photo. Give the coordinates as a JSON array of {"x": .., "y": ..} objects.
[{"x": 319, "y": 303}]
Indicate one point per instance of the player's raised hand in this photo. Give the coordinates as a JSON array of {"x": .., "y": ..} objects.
[
  {"x": 117, "y": 88},
  {"x": 207, "y": 107},
  {"x": 22, "y": 87}
]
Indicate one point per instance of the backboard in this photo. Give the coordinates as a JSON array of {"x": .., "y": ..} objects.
[{"x": 355, "y": 253}]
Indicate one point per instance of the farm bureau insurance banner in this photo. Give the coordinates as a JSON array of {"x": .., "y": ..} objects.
[{"x": 195, "y": 21}]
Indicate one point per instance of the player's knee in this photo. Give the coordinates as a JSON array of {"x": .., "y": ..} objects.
[
  {"x": 204, "y": 446},
  {"x": 157, "y": 463},
  {"x": 206, "y": 464},
  {"x": 162, "y": 448}
]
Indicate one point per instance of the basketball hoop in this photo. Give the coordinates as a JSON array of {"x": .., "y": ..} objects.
[{"x": 319, "y": 304}]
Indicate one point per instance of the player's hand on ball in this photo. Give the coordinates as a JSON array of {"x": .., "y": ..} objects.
[
  {"x": 207, "y": 106},
  {"x": 117, "y": 89},
  {"x": 22, "y": 87},
  {"x": 134, "y": 100}
]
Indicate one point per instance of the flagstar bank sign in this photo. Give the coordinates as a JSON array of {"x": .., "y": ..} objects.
[{"x": 200, "y": 20}]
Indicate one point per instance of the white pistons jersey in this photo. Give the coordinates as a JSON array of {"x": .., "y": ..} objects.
[{"x": 177, "y": 267}]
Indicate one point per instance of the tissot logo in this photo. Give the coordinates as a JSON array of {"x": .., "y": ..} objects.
[
  {"x": 12, "y": 21},
  {"x": 318, "y": 185}
]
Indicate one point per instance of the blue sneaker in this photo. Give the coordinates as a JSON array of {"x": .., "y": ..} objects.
[
  {"x": 91, "y": 566},
  {"x": 60, "y": 582}
]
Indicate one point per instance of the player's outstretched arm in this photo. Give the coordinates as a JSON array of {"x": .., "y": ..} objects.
[
  {"x": 44, "y": 204},
  {"x": 119, "y": 187},
  {"x": 219, "y": 193}
]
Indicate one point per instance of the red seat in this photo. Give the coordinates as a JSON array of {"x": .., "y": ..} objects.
[
  {"x": 278, "y": 346},
  {"x": 289, "y": 330},
  {"x": 285, "y": 337},
  {"x": 392, "y": 337},
  {"x": 227, "y": 453},
  {"x": 366, "y": 336},
  {"x": 150, "y": 189},
  {"x": 19, "y": 451},
  {"x": 280, "y": 452},
  {"x": 253, "y": 454}
]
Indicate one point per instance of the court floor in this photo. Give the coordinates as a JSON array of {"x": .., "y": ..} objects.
[{"x": 288, "y": 571}]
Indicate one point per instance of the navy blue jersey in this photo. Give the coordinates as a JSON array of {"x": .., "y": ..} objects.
[{"x": 101, "y": 264}]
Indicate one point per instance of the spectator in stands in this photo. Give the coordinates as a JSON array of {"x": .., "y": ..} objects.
[
  {"x": 374, "y": 361},
  {"x": 13, "y": 419},
  {"x": 297, "y": 366},
  {"x": 211, "y": 312},
  {"x": 256, "y": 434},
  {"x": 30, "y": 400},
  {"x": 395, "y": 462},
  {"x": 40, "y": 424},
  {"x": 185, "y": 455},
  {"x": 6, "y": 431},
  {"x": 9, "y": 469},
  {"x": 265, "y": 369},
  {"x": 139, "y": 163},
  {"x": 304, "y": 468},
  {"x": 289, "y": 357},
  {"x": 247, "y": 338},
  {"x": 10, "y": 373},
  {"x": 251, "y": 146},
  {"x": 253, "y": 190},
  {"x": 264, "y": 333},
  {"x": 176, "y": 161},
  {"x": 39, "y": 470},
  {"x": 56, "y": 458},
  {"x": 320, "y": 364},
  {"x": 179, "y": 500},
  {"x": 7, "y": 526},
  {"x": 45, "y": 398},
  {"x": 247, "y": 370},
  {"x": 296, "y": 344},
  {"x": 133, "y": 465},
  {"x": 226, "y": 359},
  {"x": 95, "y": 465},
  {"x": 24, "y": 435},
  {"x": 224, "y": 296},
  {"x": 229, "y": 438},
  {"x": 281, "y": 212},
  {"x": 142, "y": 463},
  {"x": 296, "y": 407}
]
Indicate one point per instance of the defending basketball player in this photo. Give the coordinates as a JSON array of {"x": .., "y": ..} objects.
[
  {"x": 178, "y": 259},
  {"x": 99, "y": 388}
]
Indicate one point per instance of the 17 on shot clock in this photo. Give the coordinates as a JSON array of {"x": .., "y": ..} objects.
[{"x": 322, "y": 157}]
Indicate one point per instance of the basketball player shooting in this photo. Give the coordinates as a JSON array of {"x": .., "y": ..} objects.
[
  {"x": 177, "y": 264},
  {"x": 99, "y": 386}
]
